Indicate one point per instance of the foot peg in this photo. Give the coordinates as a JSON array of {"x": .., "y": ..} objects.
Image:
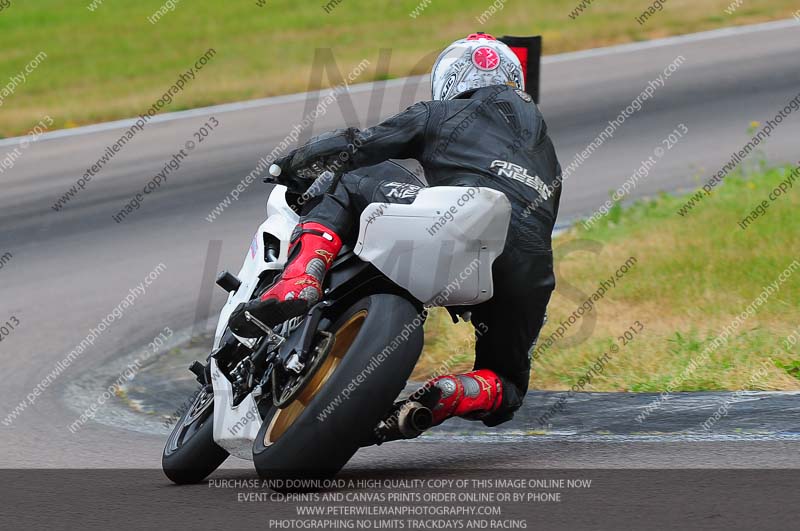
[
  {"x": 264, "y": 328},
  {"x": 272, "y": 337},
  {"x": 256, "y": 318}
]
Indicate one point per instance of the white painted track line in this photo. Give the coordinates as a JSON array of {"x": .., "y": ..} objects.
[{"x": 366, "y": 87}]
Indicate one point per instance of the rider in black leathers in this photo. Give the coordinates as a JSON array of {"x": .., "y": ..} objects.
[{"x": 491, "y": 136}]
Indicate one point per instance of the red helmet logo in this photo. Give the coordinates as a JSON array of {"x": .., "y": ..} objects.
[{"x": 486, "y": 58}]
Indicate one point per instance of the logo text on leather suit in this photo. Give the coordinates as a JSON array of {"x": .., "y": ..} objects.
[{"x": 518, "y": 173}]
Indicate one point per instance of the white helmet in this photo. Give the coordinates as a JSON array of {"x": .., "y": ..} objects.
[{"x": 478, "y": 61}]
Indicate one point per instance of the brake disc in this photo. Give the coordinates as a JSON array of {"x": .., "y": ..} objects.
[{"x": 284, "y": 395}]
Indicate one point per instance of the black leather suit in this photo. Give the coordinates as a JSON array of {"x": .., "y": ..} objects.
[{"x": 493, "y": 137}]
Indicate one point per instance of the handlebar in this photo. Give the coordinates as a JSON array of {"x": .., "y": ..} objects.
[{"x": 320, "y": 182}]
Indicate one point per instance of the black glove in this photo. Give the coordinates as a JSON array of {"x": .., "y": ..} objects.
[
  {"x": 296, "y": 181},
  {"x": 325, "y": 152}
]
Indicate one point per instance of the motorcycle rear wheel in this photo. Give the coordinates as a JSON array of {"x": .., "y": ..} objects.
[{"x": 316, "y": 434}]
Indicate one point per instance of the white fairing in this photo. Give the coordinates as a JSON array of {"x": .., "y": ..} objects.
[
  {"x": 235, "y": 428},
  {"x": 441, "y": 247},
  {"x": 280, "y": 223}
]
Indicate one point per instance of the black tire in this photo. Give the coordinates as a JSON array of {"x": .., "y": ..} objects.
[
  {"x": 318, "y": 443},
  {"x": 190, "y": 453}
]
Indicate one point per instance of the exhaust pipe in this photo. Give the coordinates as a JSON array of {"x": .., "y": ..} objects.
[
  {"x": 412, "y": 419},
  {"x": 407, "y": 421}
]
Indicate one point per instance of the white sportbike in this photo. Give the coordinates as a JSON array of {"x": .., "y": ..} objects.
[{"x": 300, "y": 400}]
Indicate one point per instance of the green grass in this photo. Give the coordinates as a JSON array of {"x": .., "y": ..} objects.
[
  {"x": 693, "y": 276},
  {"x": 113, "y": 63}
]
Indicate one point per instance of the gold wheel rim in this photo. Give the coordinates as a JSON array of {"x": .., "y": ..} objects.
[{"x": 342, "y": 341}]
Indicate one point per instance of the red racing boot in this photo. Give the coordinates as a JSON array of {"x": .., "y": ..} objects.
[
  {"x": 311, "y": 253},
  {"x": 473, "y": 395}
]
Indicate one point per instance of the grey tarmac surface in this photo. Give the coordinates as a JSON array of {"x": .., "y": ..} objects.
[{"x": 70, "y": 269}]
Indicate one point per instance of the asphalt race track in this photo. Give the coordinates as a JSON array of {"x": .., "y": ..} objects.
[{"x": 70, "y": 268}]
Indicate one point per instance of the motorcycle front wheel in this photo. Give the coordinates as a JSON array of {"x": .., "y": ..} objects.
[
  {"x": 376, "y": 344},
  {"x": 190, "y": 453}
]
